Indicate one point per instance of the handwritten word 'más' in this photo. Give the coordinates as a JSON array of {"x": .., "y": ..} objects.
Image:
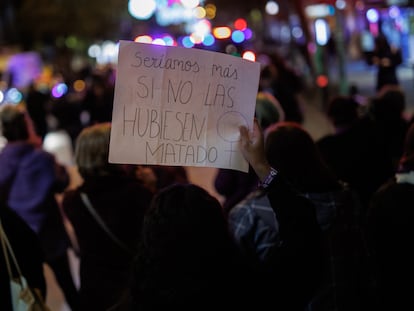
[
  {"x": 224, "y": 71},
  {"x": 166, "y": 125},
  {"x": 165, "y": 63}
]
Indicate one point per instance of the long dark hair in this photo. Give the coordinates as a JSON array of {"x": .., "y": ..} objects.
[{"x": 294, "y": 153}]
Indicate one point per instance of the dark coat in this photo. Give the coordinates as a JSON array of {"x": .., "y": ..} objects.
[
  {"x": 391, "y": 234},
  {"x": 105, "y": 268}
]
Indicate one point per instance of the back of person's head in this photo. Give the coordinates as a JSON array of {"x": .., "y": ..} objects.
[
  {"x": 389, "y": 104},
  {"x": 291, "y": 150},
  {"x": 268, "y": 110},
  {"x": 13, "y": 123},
  {"x": 185, "y": 248},
  {"x": 184, "y": 219},
  {"x": 92, "y": 150},
  {"x": 407, "y": 160},
  {"x": 343, "y": 111}
]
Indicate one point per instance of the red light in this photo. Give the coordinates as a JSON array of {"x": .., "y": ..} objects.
[
  {"x": 322, "y": 81},
  {"x": 240, "y": 24}
]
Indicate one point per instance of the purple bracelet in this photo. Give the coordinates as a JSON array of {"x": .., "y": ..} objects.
[{"x": 269, "y": 178}]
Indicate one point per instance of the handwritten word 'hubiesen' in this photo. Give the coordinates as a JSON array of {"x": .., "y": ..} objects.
[
  {"x": 152, "y": 123},
  {"x": 176, "y": 130}
]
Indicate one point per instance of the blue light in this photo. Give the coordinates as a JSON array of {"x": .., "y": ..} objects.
[
  {"x": 186, "y": 42},
  {"x": 372, "y": 15},
  {"x": 209, "y": 40},
  {"x": 14, "y": 96},
  {"x": 238, "y": 36}
]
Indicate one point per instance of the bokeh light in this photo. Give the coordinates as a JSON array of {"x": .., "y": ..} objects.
[
  {"x": 186, "y": 42},
  {"x": 372, "y": 15},
  {"x": 142, "y": 9},
  {"x": 240, "y": 24},
  {"x": 209, "y": 40},
  {"x": 222, "y": 32},
  {"x": 59, "y": 90},
  {"x": 237, "y": 36},
  {"x": 79, "y": 85},
  {"x": 272, "y": 8},
  {"x": 249, "y": 55},
  {"x": 322, "y": 81},
  {"x": 143, "y": 39}
]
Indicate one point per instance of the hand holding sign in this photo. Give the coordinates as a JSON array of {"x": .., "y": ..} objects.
[{"x": 178, "y": 106}]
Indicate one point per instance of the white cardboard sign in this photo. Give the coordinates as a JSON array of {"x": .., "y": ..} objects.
[{"x": 181, "y": 107}]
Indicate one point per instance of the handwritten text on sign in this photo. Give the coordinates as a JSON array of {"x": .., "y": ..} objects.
[{"x": 178, "y": 106}]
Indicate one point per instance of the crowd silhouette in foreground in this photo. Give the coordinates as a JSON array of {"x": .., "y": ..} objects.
[{"x": 313, "y": 226}]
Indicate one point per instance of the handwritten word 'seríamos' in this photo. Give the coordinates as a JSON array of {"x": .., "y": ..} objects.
[{"x": 162, "y": 62}]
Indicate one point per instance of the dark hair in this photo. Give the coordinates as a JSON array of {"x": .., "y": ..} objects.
[
  {"x": 92, "y": 150},
  {"x": 183, "y": 214},
  {"x": 343, "y": 110},
  {"x": 389, "y": 104},
  {"x": 185, "y": 247},
  {"x": 294, "y": 153},
  {"x": 13, "y": 123}
]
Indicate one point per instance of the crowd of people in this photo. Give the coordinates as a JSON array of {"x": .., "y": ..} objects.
[{"x": 313, "y": 226}]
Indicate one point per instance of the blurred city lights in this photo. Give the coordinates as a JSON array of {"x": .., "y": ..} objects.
[
  {"x": 79, "y": 85},
  {"x": 142, "y": 9},
  {"x": 322, "y": 81},
  {"x": 240, "y": 24},
  {"x": 159, "y": 41},
  {"x": 321, "y": 31},
  {"x": 13, "y": 96},
  {"x": 237, "y": 36},
  {"x": 340, "y": 4},
  {"x": 1, "y": 96},
  {"x": 249, "y": 55},
  {"x": 319, "y": 10},
  {"x": 59, "y": 90},
  {"x": 209, "y": 40},
  {"x": 210, "y": 11},
  {"x": 94, "y": 51},
  {"x": 196, "y": 38},
  {"x": 222, "y": 32},
  {"x": 248, "y": 33},
  {"x": 190, "y": 4},
  {"x": 394, "y": 11},
  {"x": 186, "y": 42},
  {"x": 202, "y": 28},
  {"x": 372, "y": 15},
  {"x": 199, "y": 12},
  {"x": 169, "y": 40},
  {"x": 143, "y": 39},
  {"x": 272, "y": 8},
  {"x": 297, "y": 32}
]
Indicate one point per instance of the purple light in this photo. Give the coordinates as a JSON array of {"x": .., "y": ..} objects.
[
  {"x": 248, "y": 33},
  {"x": 59, "y": 90}
]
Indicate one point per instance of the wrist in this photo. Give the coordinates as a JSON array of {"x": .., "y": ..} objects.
[{"x": 268, "y": 179}]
